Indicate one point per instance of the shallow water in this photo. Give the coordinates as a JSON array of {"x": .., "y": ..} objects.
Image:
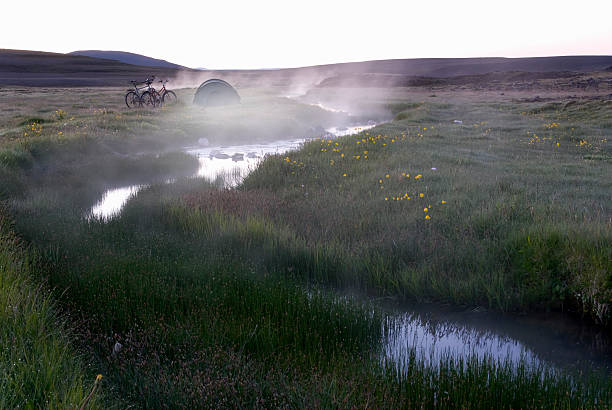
[
  {"x": 112, "y": 201},
  {"x": 432, "y": 333},
  {"x": 232, "y": 163}
]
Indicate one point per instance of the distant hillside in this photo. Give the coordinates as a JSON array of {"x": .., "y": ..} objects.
[
  {"x": 451, "y": 67},
  {"x": 36, "y": 68},
  {"x": 127, "y": 58}
]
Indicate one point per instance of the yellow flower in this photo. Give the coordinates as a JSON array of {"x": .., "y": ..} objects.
[
  {"x": 386, "y": 199},
  {"x": 387, "y": 176},
  {"x": 442, "y": 202},
  {"x": 425, "y": 209},
  {"x": 426, "y": 216},
  {"x": 98, "y": 377},
  {"x": 421, "y": 195},
  {"x": 418, "y": 176},
  {"x": 344, "y": 175}
]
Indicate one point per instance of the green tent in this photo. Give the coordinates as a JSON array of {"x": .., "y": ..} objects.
[{"x": 215, "y": 92}]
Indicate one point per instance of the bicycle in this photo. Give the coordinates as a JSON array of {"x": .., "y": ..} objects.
[
  {"x": 133, "y": 97},
  {"x": 158, "y": 98}
]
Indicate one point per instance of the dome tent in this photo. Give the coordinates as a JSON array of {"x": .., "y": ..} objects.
[{"x": 215, "y": 92}]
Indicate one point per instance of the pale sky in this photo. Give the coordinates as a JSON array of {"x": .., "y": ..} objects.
[{"x": 273, "y": 33}]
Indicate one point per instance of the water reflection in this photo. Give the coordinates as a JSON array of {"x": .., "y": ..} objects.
[
  {"x": 112, "y": 202},
  {"x": 408, "y": 335},
  {"x": 235, "y": 162},
  {"x": 433, "y": 333},
  {"x": 231, "y": 163}
]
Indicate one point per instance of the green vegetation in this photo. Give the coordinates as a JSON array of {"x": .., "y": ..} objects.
[
  {"x": 198, "y": 296},
  {"x": 504, "y": 210},
  {"x": 39, "y": 366}
]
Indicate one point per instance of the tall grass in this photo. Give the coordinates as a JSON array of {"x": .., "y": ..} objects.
[
  {"x": 489, "y": 215},
  {"x": 39, "y": 365},
  {"x": 197, "y": 329},
  {"x": 196, "y": 296}
]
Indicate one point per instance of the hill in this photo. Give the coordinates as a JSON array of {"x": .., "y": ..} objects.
[
  {"x": 36, "y": 68},
  {"x": 451, "y": 67},
  {"x": 127, "y": 58}
]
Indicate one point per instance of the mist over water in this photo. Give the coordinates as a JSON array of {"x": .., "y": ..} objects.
[{"x": 229, "y": 163}]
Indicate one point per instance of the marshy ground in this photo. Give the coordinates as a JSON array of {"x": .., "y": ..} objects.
[{"x": 238, "y": 298}]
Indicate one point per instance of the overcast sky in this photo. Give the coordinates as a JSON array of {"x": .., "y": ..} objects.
[{"x": 270, "y": 33}]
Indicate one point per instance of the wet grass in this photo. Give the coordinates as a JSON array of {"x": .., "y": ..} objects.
[
  {"x": 205, "y": 317},
  {"x": 46, "y": 122},
  {"x": 196, "y": 296},
  {"x": 40, "y": 366},
  {"x": 504, "y": 210}
]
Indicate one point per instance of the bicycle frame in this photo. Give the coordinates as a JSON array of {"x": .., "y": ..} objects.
[
  {"x": 157, "y": 94},
  {"x": 137, "y": 89}
]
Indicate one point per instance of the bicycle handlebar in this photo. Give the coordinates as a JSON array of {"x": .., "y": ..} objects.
[{"x": 148, "y": 81}]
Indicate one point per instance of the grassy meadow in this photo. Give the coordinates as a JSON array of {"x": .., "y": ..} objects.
[{"x": 197, "y": 296}]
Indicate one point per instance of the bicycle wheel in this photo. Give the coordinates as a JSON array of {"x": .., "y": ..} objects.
[
  {"x": 147, "y": 100},
  {"x": 157, "y": 99},
  {"x": 169, "y": 98},
  {"x": 132, "y": 100}
]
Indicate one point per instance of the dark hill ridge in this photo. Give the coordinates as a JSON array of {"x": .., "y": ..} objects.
[
  {"x": 36, "y": 68},
  {"x": 127, "y": 58},
  {"x": 451, "y": 67},
  {"x": 417, "y": 72}
]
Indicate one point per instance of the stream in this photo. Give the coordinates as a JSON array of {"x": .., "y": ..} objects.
[
  {"x": 232, "y": 163},
  {"x": 430, "y": 332}
]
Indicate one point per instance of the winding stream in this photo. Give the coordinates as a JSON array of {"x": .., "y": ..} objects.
[
  {"x": 232, "y": 163},
  {"x": 429, "y": 332}
]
